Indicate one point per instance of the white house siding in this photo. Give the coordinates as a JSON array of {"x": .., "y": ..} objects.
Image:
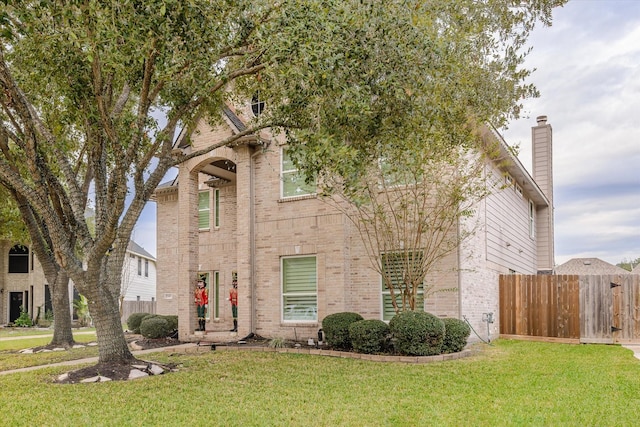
[
  {"x": 507, "y": 229},
  {"x": 138, "y": 287}
]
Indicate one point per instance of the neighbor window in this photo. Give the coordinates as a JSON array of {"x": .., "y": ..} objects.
[
  {"x": 299, "y": 289},
  {"x": 394, "y": 265},
  {"x": 293, "y": 182},
  {"x": 19, "y": 259},
  {"x": 139, "y": 266},
  {"x": 203, "y": 210},
  {"x": 146, "y": 268}
]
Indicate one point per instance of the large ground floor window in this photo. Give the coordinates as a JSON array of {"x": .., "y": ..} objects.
[
  {"x": 395, "y": 265},
  {"x": 299, "y": 289}
]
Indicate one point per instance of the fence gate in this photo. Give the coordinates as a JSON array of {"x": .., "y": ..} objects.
[
  {"x": 610, "y": 309},
  {"x": 540, "y": 306}
]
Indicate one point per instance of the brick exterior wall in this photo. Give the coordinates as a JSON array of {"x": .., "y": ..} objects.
[{"x": 464, "y": 283}]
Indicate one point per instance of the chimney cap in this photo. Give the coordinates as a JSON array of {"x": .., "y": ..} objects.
[{"x": 542, "y": 120}]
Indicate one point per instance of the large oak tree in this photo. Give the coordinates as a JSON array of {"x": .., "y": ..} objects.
[{"x": 84, "y": 82}]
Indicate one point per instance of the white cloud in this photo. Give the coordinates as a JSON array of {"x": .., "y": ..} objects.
[{"x": 588, "y": 73}]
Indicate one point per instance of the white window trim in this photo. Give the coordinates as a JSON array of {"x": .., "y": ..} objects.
[
  {"x": 289, "y": 172},
  {"x": 208, "y": 210},
  {"x": 282, "y": 293},
  {"x": 532, "y": 220}
]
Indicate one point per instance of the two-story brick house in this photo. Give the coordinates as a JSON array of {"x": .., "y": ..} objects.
[{"x": 240, "y": 212}]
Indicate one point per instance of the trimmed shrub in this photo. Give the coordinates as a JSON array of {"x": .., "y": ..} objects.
[
  {"x": 456, "y": 332},
  {"x": 155, "y": 327},
  {"x": 134, "y": 320},
  {"x": 369, "y": 336},
  {"x": 336, "y": 329},
  {"x": 416, "y": 333},
  {"x": 172, "y": 321}
]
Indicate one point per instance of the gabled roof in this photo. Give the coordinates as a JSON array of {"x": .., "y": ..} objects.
[
  {"x": 589, "y": 266},
  {"x": 135, "y": 248},
  {"x": 517, "y": 170}
]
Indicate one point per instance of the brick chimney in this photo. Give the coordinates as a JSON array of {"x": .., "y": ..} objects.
[{"x": 542, "y": 164}]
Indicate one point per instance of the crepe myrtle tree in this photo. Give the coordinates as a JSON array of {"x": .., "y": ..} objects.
[{"x": 82, "y": 83}]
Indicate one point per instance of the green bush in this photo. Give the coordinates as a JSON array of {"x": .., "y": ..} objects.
[
  {"x": 172, "y": 321},
  {"x": 416, "y": 333},
  {"x": 24, "y": 320},
  {"x": 134, "y": 320},
  {"x": 155, "y": 327},
  {"x": 456, "y": 332},
  {"x": 369, "y": 336},
  {"x": 336, "y": 329}
]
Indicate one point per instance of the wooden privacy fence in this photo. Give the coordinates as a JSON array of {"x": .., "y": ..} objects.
[
  {"x": 587, "y": 309},
  {"x": 130, "y": 307}
]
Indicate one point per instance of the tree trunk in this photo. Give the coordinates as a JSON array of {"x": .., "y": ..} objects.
[
  {"x": 112, "y": 345},
  {"x": 62, "y": 335}
]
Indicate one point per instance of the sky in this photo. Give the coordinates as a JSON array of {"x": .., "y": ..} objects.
[{"x": 588, "y": 74}]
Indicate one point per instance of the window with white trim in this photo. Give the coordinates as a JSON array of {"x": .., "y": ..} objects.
[
  {"x": 203, "y": 210},
  {"x": 216, "y": 208},
  {"x": 293, "y": 182},
  {"x": 19, "y": 259},
  {"x": 394, "y": 265},
  {"x": 299, "y": 289},
  {"x": 146, "y": 268},
  {"x": 139, "y": 266},
  {"x": 532, "y": 219}
]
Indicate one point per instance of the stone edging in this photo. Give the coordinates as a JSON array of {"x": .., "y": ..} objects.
[{"x": 194, "y": 348}]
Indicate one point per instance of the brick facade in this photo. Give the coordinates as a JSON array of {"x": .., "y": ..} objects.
[{"x": 258, "y": 228}]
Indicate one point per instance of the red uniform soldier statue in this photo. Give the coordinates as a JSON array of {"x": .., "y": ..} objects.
[{"x": 202, "y": 302}]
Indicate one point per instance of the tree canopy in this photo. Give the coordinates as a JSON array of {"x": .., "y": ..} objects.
[{"x": 85, "y": 82}]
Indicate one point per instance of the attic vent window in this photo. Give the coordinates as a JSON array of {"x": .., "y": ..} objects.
[
  {"x": 257, "y": 105},
  {"x": 587, "y": 262}
]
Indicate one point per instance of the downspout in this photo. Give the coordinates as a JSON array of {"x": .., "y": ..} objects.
[{"x": 252, "y": 242}]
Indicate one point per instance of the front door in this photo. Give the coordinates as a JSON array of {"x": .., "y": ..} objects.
[{"x": 15, "y": 304}]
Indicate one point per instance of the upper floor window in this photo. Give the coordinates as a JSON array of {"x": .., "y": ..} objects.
[
  {"x": 19, "y": 259},
  {"x": 203, "y": 210},
  {"x": 293, "y": 182},
  {"x": 532, "y": 219},
  {"x": 139, "y": 266},
  {"x": 146, "y": 268},
  {"x": 257, "y": 105}
]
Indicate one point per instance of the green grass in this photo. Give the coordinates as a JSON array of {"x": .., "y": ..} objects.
[
  {"x": 18, "y": 344},
  {"x": 511, "y": 383}
]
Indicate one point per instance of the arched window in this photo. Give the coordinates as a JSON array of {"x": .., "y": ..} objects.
[
  {"x": 257, "y": 104},
  {"x": 19, "y": 259}
]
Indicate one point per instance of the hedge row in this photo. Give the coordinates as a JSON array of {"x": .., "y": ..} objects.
[{"x": 410, "y": 333}]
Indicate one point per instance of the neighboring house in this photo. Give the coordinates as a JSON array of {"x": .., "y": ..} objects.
[
  {"x": 138, "y": 274},
  {"x": 241, "y": 212},
  {"x": 23, "y": 284},
  {"x": 586, "y": 266}
]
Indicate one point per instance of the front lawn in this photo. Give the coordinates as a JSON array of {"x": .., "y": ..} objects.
[{"x": 510, "y": 383}]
